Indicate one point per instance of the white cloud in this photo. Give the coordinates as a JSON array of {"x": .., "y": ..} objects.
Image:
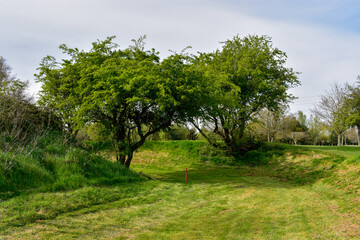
[{"x": 31, "y": 30}]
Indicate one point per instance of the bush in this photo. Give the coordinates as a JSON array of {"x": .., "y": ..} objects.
[
  {"x": 215, "y": 156},
  {"x": 263, "y": 154}
]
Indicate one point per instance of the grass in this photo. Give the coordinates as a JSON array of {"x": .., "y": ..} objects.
[
  {"x": 290, "y": 193},
  {"x": 54, "y": 166}
]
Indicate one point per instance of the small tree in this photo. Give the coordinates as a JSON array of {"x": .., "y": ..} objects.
[
  {"x": 130, "y": 92},
  {"x": 247, "y": 75}
]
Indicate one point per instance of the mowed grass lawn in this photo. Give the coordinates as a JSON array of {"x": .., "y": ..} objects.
[{"x": 300, "y": 193}]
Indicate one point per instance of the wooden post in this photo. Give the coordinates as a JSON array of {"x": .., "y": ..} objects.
[{"x": 186, "y": 176}]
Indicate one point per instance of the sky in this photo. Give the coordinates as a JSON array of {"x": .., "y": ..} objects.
[{"x": 321, "y": 38}]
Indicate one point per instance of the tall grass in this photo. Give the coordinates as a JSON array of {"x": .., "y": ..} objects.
[{"x": 54, "y": 166}]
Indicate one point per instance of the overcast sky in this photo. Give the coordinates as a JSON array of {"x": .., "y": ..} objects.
[{"x": 321, "y": 38}]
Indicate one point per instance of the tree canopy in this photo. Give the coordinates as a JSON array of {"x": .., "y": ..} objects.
[
  {"x": 128, "y": 91},
  {"x": 133, "y": 94},
  {"x": 245, "y": 76}
]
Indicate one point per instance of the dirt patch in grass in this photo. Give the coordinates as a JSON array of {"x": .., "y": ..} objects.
[
  {"x": 147, "y": 157},
  {"x": 226, "y": 210},
  {"x": 350, "y": 222}
]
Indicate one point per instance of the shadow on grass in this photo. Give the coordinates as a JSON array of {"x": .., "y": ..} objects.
[{"x": 268, "y": 167}]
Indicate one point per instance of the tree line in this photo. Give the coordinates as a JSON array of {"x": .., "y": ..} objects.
[{"x": 334, "y": 120}]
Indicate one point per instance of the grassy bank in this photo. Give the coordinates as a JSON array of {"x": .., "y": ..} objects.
[
  {"x": 53, "y": 178},
  {"x": 290, "y": 193},
  {"x": 51, "y": 165}
]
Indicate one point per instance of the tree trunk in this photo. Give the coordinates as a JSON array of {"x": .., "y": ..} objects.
[
  {"x": 339, "y": 140},
  {"x": 128, "y": 160},
  {"x": 120, "y": 156}
]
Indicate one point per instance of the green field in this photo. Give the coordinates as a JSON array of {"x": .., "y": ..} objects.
[{"x": 290, "y": 193}]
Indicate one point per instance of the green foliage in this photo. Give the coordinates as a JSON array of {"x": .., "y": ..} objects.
[
  {"x": 247, "y": 75},
  {"x": 215, "y": 155},
  {"x": 352, "y": 103},
  {"x": 97, "y": 132},
  {"x": 176, "y": 132},
  {"x": 129, "y": 92},
  {"x": 192, "y": 134},
  {"x": 263, "y": 154}
]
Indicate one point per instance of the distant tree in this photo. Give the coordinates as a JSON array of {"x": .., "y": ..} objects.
[
  {"x": 302, "y": 122},
  {"x": 352, "y": 136},
  {"x": 192, "y": 134},
  {"x": 129, "y": 92},
  {"x": 314, "y": 131},
  {"x": 9, "y": 84},
  {"x": 352, "y": 101},
  {"x": 325, "y": 136},
  {"x": 297, "y": 136},
  {"x": 333, "y": 110},
  {"x": 267, "y": 125},
  {"x": 247, "y": 75},
  {"x": 176, "y": 132}
]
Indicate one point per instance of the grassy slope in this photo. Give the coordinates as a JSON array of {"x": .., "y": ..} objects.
[{"x": 301, "y": 193}]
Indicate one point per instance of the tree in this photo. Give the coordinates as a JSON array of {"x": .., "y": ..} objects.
[
  {"x": 315, "y": 128},
  {"x": 267, "y": 124},
  {"x": 21, "y": 121},
  {"x": 352, "y": 136},
  {"x": 296, "y": 136},
  {"x": 302, "y": 122},
  {"x": 333, "y": 109},
  {"x": 352, "y": 101},
  {"x": 247, "y": 75},
  {"x": 299, "y": 127},
  {"x": 9, "y": 84},
  {"x": 58, "y": 88},
  {"x": 130, "y": 92}
]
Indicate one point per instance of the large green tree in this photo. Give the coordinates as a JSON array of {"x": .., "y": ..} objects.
[
  {"x": 130, "y": 92},
  {"x": 245, "y": 76}
]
